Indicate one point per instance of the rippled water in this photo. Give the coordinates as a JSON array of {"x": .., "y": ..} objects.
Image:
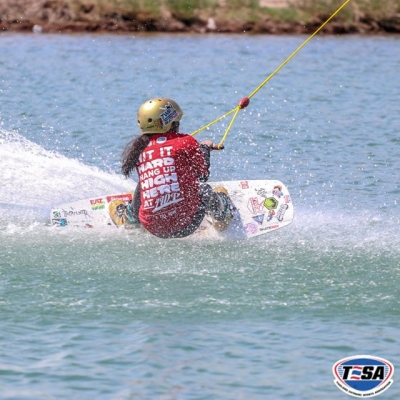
[{"x": 119, "y": 315}]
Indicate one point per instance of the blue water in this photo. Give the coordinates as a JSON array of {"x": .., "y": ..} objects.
[{"x": 111, "y": 314}]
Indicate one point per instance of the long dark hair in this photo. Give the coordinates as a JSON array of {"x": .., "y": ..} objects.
[{"x": 131, "y": 153}]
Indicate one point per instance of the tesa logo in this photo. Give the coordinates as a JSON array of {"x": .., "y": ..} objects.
[{"x": 363, "y": 376}]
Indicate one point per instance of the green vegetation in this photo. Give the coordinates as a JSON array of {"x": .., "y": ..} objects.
[
  {"x": 243, "y": 9},
  {"x": 257, "y": 16}
]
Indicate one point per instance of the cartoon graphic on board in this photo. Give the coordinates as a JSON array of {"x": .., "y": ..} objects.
[{"x": 117, "y": 210}]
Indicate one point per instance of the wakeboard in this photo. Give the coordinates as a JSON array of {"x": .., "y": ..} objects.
[{"x": 257, "y": 206}]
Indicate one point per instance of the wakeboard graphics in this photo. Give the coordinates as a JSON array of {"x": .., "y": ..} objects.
[{"x": 258, "y": 207}]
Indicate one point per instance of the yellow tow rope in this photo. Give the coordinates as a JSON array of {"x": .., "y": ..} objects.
[{"x": 244, "y": 102}]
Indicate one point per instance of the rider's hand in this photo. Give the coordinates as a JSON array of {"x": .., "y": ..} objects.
[{"x": 211, "y": 145}]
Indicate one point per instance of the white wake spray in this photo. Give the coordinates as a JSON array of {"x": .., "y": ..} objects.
[{"x": 33, "y": 178}]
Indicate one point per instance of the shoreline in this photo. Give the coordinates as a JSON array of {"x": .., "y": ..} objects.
[
  {"x": 66, "y": 16},
  {"x": 272, "y": 27}
]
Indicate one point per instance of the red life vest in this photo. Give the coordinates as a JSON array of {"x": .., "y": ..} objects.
[{"x": 169, "y": 169}]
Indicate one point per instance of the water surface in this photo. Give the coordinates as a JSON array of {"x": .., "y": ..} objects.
[{"x": 110, "y": 314}]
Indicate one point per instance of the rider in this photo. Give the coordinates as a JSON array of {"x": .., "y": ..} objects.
[{"x": 171, "y": 197}]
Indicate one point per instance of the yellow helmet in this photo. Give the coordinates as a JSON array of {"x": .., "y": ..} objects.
[{"x": 157, "y": 115}]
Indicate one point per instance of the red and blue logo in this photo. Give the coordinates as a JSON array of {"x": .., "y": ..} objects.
[{"x": 363, "y": 376}]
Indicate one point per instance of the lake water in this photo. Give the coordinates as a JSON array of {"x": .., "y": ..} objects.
[{"x": 117, "y": 315}]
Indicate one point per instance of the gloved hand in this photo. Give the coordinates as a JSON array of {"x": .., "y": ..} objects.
[{"x": 211, "y": 145}]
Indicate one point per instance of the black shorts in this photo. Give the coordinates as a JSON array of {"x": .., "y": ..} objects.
[{"x": 205, "y": 193}]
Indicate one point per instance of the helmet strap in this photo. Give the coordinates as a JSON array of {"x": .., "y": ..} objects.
[{"x": 174, "y": 127}]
